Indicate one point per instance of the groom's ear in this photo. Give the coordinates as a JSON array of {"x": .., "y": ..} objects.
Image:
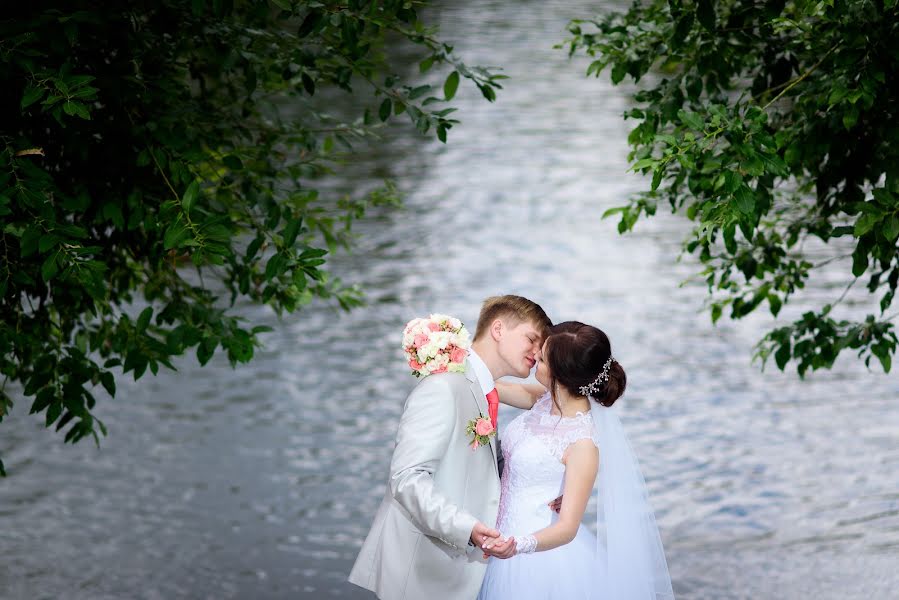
[{"x": 496, "y": 329}]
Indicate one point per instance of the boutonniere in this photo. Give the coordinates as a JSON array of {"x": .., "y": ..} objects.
[{"x": 481, "y": 430}]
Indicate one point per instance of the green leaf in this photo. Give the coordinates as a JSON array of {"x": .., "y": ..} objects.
[
  {"x": 206, "y": 349},
  {"x": 384, "y": 110},
  {"x": 312, "y": 253},
  {"x": 850, "y": 118},
  {"x": 81, "y": 111},
  {"x": 775, "y": 303},
  {"x": 705, "y": 14},
  {"x": 425, "y": 65},
  {"x": 144, "y": 319},
  {"x": 275, "y": 266},
  {"x": 175, "y": 236},
  {"x": 308, "y": 84},
  {"x": 291, "y": 230},
  {"x": 745, "y": 200},
  {"x": 48, "y": 241},
  {"x": 691, "y": 119},
  {"x": 50, "y": 268},
  {"x": 31, "y": 95},
  {"x": 782, "y": 356},
  {"x": 860, "y": 261},
  {"x": 253, "y": 247},
  {"x": 614, "y": 210},
  {"x": 29, "y": 242},
  {"x": 865, "y": 223},
  {"x": 190, "y": 196},
  {"x": 419, "y": 91},
  {"x": 643, "y": 163},
  {"x": 451, "y": 85},
  {"x": 891, "y": 228},
  {"x": 43, "y": 399},
  {"x": 729, "y": 238},
  {"x": 309, "y": 23},
  {"x": 53, "y": 412},
  {"x": 108, "y": 381}
]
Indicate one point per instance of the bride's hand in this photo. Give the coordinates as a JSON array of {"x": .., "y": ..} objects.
[{"x": 499, "y": 547}]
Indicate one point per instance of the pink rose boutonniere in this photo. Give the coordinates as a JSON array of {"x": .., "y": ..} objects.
[
  {"x": 438, "y": 344},
  {"x": 481, "y": 430}
]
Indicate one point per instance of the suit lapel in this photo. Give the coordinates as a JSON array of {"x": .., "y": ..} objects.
[{"x": 481, "y": 400}]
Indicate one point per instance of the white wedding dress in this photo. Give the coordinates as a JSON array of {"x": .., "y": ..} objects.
[
  {"x": 627, "y": 562},
  {"x": 533, "y": 476}
]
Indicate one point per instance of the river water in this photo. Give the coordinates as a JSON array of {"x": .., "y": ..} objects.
[{"x": 262, "y": 482}]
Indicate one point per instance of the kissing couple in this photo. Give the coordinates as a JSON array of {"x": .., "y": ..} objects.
[{"x": 457, "y": 523}]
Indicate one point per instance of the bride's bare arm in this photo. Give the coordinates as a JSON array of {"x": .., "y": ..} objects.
[
  {"x": 581, "y": 462},
  {"x": 519, "y": 395}
]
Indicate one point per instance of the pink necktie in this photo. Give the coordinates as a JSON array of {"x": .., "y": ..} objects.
[{"x": 493, "y": 405}]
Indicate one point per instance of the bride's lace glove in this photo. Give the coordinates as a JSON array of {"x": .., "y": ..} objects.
[{"x": 527, "y": 544}]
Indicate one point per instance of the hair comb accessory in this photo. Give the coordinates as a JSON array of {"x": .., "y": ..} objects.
[{"x": 589, "y": 390}]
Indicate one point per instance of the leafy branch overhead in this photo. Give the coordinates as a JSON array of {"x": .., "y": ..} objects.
[
  {"x": 178, "y": 156},
  {"x": 773, "y": 127}
]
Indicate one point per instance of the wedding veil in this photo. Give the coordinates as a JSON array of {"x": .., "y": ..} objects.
[{"x": 629, "y": 548}]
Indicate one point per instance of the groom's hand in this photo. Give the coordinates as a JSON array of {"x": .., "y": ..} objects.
[
  {"x": 556, "y": 505},
  {"x": 500, "y": 548},
  {"x": 480, "y": 533}
]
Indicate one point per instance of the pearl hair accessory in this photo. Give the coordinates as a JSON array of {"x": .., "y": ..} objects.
[{"x": 589, "y": 390}]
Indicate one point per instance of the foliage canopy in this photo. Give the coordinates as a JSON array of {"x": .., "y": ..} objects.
[
  {"x": 768, "y": 124},
  {"x": 172, "y": 155}
]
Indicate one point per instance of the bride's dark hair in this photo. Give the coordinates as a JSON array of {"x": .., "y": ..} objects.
[{"x": 575, "y": 354}]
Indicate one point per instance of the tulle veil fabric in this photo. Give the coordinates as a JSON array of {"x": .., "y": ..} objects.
[{"x": 629, "y": 553}]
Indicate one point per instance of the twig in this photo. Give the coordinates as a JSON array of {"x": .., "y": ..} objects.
[
  {"x": 846, "y": 291},
  {"x": 801, "y": 77}
]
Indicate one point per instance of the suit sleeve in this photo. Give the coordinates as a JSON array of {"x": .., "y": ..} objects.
[{"x": 424, "y": 434}]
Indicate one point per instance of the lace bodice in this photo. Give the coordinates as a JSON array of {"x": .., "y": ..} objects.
[{"x": 533, "y": 446}]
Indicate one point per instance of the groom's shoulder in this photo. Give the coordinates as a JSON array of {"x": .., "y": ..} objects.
[{"x": 450, "y": 382}]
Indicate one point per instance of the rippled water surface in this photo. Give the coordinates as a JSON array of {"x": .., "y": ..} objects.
[{"x": 261, "y": 482}]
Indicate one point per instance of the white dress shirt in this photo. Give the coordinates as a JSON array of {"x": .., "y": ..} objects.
[{"x": 485, "y": 378}]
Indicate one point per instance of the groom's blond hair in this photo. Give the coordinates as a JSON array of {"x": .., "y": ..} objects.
[{"x": 513, "y": 310}]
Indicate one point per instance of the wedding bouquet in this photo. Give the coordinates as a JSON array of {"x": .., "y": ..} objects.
[{"x": 438, "y": 344}]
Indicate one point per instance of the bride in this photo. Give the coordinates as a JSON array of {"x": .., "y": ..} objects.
[{"x": 569, "y": 439}]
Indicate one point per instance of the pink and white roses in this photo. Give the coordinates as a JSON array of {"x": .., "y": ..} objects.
[
  {"x": 480, "y": 430},
  {"x": 438, "y": 344}
]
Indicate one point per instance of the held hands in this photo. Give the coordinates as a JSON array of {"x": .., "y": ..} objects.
[
  {"x": 480, "y": 533},
  {"x": 491, "y": 541},
  {"x": 500, "y": 548}
]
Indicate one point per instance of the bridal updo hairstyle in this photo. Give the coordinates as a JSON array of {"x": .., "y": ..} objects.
[{"x": 575, "y": 354}]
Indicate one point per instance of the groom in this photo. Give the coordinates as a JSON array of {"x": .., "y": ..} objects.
[{"x": 425, "y": 542}]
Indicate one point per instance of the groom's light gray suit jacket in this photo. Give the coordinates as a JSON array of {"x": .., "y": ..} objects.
[{"x": 438, "y": 488}]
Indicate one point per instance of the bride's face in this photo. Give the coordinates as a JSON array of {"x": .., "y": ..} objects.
[{"x": 543, "y": 374}]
